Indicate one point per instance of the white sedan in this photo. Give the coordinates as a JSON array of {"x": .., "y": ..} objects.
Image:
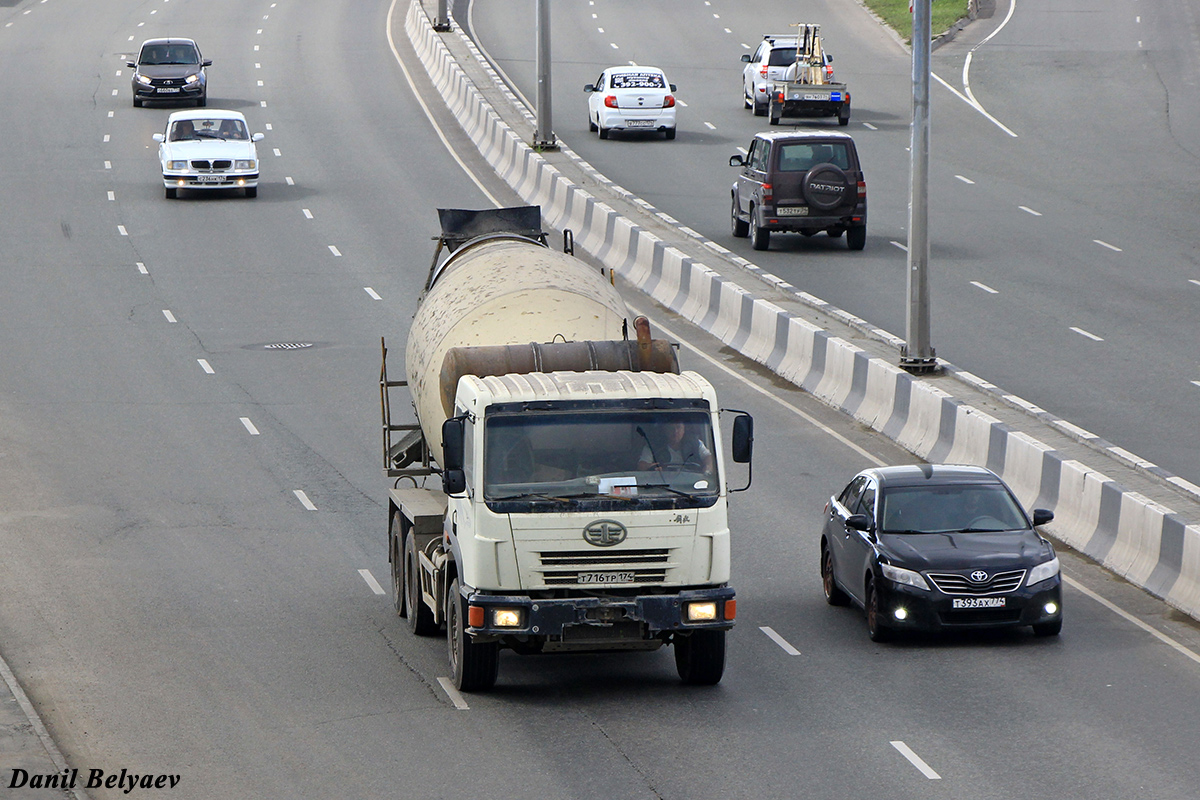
[
  {"x": 208, "y": 149},
  {"x": 631, "y": 99}
]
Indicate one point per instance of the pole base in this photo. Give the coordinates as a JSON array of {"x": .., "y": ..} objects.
[
  {"x": 548, "y": 144},
  {"x": 919, "y": 366},
  {"x": 441, "y": 25}
]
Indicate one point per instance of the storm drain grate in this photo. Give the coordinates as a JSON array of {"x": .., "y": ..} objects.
[{"x": 287, "y": 345}]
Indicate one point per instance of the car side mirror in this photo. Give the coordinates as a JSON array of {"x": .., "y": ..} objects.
[
  {"x": 859, "y": 522},
  {"x": 206, "y": 62},
  {"x": 590, "y": 87},
  {"x": 737, "y": 161},
  {"x": 1041, "y": 516},
  {"x": 746, "y": 57},
  {"x": 258, "y": 137},
  {"x": 158, "y": 137},
  {"x": 131, "y": 65},
  {"x": 828, "y": 59},
  {"x": 674, "y": 88}
]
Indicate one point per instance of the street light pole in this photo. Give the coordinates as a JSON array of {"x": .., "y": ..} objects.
[
  {"x": 543, "y": 137},
  {"x": 918, "y": 354},
  {"x": 441, "y": 22}
]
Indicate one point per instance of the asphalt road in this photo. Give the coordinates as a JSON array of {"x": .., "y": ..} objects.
[
  {"x": 1063, "y": 221},
  {"x": 186, "y": 515}
]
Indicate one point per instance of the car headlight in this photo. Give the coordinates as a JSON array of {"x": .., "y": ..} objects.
[
  {"x": 176, "y": 165},
  {"x": 1043, "y": 572},
  {"x": 904, "y": 576},
  {"x": 142, "y": 79},
  {"x": 248, "y": 163},
  {"x": 192, "y": 78}
]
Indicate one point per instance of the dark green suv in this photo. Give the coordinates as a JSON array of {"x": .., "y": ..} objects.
[{"x": 801, "y": 182}]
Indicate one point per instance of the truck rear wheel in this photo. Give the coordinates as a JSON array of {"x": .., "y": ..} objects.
[
  {"x": 473, "y": 667},
  {"x": 420, "y": 616},
  {"x": 700, "y": 657},
  {"x": 396, "y": 560}
]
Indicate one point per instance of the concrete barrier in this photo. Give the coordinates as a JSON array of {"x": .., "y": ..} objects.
[{"x": 1134, "y": 536}]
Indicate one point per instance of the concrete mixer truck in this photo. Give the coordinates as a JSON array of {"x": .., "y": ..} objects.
[{"x": 582, "y": 504}]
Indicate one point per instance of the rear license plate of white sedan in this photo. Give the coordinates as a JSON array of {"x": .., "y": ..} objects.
[
  {"x": 168, "y": 90},
  {"x": 977, "y": 602},
  {"x": 640, "y": 123},
  {"x": 606, "y": 577},
  {"x": 791, "y": 211},
  {"x": 209, "y": 178}
]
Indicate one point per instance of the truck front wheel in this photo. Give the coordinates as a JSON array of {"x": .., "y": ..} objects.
[
  {"x": 473, "y": 667},
  {"x": 420, "y": 616},
  {"x": 700, "y": 657}
]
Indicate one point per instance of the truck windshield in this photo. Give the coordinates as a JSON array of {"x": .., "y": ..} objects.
[{"x": 654, "y": 458}]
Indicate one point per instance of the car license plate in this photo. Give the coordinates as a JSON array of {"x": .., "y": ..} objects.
[
  {"x": 814, "y": 97},
  {"x": 606, "y": 577},
  {"x": 168, "y": 90},
  {"x": 791, "y": 211},
  {"x": 209, "y": 178},
  {"x": 977, "y": 602},
  {"x": 640, "y": 123}
]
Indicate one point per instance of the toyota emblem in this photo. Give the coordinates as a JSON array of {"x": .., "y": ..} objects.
[
  {"x": 604, "y": 533},
  {"x": 979, "y": 576}
]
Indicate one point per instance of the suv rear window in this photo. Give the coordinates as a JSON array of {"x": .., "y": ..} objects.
[
  {"x": 803, "y": 157},
  {"x": 781, "y": 57}
]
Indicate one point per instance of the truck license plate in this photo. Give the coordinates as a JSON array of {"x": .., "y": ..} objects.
[
  {"x": 977, "y": 602},
  {"x": 791, "y": 211},
  {"x": 606, "y": 577}
]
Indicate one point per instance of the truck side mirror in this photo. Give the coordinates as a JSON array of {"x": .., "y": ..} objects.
[
  {"x": 743, "y": 439},
  {"x": 453, "y": 434},
  {"x": 737, "y": 161},
  {"x": 454, "y": 481},
  {"x": 1041, "y": 516}
]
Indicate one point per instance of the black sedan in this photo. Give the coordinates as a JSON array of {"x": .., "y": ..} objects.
[{"x": 937, "y": 547}]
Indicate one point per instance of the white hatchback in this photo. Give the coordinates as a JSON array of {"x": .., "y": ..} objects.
[
  {"x": 208, "y": 149},
  {"x": 631, "y": 99}
]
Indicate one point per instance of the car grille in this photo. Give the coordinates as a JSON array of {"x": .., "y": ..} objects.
[
  {"x": 156, "y": 82},
  {"x": 980, "y": 616},
  {"x": 1000, "y": 583},
  {"x": 562, "y": 567},
  {"x": 219, "y": 164}
]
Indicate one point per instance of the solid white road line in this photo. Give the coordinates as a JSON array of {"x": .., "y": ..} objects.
[
  {"x": 779, "y": 640},
  {"x": 249, "y": 426},
  {"x": 1091, "y": 336},
  {"x": 916, "y": 760},
  {"x": 1125, "y": 615},
  {"x": 303, "y": 498},
  {"x": 455, "y": 696},
  {"x": 370, "y": 579}
]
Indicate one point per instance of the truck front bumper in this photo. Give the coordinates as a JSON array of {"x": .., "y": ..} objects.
[{"x": 691, "y": 609}]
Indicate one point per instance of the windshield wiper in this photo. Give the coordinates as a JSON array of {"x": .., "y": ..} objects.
[
  {"x": 982, "y": 530},
  {"x": 670, "y": 489}
]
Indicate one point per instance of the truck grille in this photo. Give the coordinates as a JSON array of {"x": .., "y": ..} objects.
[
  {"x": 1000, "y": 583},
  {"x": 563, "y": 567}
]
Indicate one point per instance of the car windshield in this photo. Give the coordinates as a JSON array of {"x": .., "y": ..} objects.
[
  {"x": 638, "y": 80},
  {"x": 213, "y": 128},
  {"x": 803, "y": 157},
  {"x": 781, "y": 57},
  {"x": 970, "y": 508},
  {"x": 655, "y": 456},
  {"x": 162, "y": 54}
]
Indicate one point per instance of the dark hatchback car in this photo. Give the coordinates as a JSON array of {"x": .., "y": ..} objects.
[
  {"x": 170, "y": 69},
  {"x": 936, "y": 547},
  {"x": 800, "y": 182}
]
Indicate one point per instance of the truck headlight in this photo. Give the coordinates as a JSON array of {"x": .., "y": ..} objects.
[
  {"x": 904, "y": 576},
  {"x": 702, "y": 612},
  {"x": 506, "y": 618},
  {"x": 1043, "y": 572},
  {"x": 244, "y": 164}
]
